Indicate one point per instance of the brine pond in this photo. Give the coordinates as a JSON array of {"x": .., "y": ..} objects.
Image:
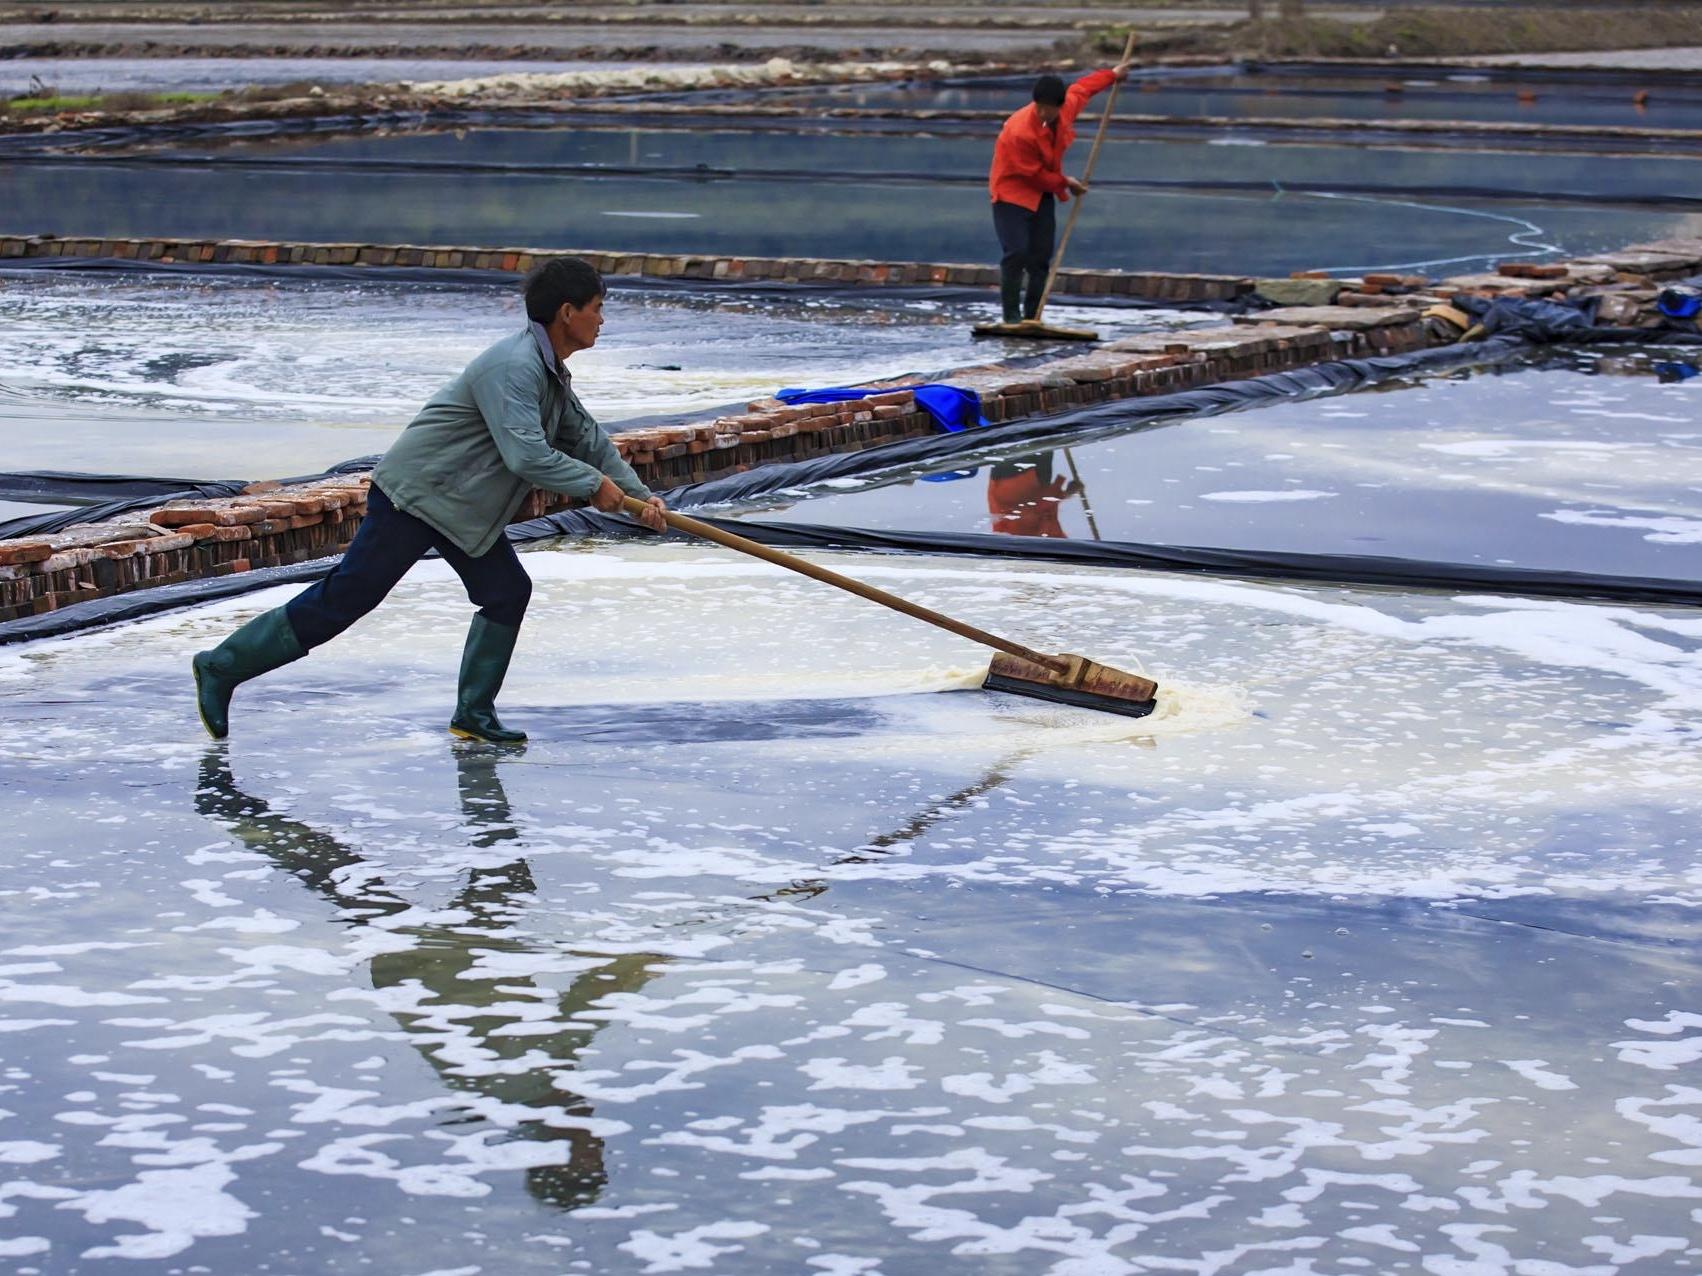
[
  {"x": 782, "y": 948},
  {"x": 1563, "y": 461},
  {"x": 1228, "y": 204},
  {"x": 779, "y": 950}
]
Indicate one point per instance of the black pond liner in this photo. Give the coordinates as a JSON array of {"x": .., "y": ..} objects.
[
  {"x": 914, "y": 454},
  {"x": 104, "y": 496}
]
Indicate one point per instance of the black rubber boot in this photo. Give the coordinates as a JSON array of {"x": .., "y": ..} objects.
[
  {"x": 1010, "y": 290},
  {"x": 263, "y": 644},
  {"x": 1036, "y": 289},
  {"x": 484, "y": 664}
]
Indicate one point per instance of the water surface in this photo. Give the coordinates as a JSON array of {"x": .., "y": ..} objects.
[
  {"x": 1582, "y": 462},
  {"x": 1373, "y": 950}
]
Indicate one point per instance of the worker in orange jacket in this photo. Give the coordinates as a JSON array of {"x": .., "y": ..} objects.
[
  {"x": 1027, "y": 178},
  {"x": 1024, "y": 498}
]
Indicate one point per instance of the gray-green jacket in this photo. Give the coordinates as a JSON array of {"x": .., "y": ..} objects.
[{"x": 510, "y": 422}]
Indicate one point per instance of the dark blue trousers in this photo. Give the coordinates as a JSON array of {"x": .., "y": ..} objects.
[
  {"x": 1025, "y": 240},
  {"x": 388, "y": 543}
]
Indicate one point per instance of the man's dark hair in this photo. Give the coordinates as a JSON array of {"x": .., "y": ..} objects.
[
  {"x": 1049, "y": 89},
  {"x": 558, "y": 282}
]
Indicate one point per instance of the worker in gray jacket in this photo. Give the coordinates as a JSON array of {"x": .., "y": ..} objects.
[{"x": 453, "y": 481}]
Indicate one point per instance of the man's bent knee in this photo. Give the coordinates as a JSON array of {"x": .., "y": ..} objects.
[{"x": 506, "y": 604}]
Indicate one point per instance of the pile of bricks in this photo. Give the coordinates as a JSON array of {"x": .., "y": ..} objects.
[
  {"x": 1145, "y": 285},
  {"x": 1375, "y": 289}
]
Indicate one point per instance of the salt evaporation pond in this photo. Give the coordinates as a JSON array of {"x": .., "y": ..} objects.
[
  {"x": 1374, "y": 949},
  {"x": 787, "y": 193},
  {"x": 1581, "y": 462},
  {"x": 209, "y": 377}
]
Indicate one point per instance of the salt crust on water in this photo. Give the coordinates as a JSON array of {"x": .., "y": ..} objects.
[
  {"x": 1216, "y": 1100},
  {"x": 1616, "y": 640}
]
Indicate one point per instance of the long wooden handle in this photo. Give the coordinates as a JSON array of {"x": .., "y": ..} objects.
[
  {"x": 691, "y": 526},
  {"x": 1092, "y": 158}
]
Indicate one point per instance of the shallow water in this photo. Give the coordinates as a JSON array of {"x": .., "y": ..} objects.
[
  {"x": 1373, "y": 950},
  {"x": 1577, "y": 462},
  {"x": 719, "y": 149},
  {"x": 789, "y": 195},
  {"x": 251, "y": 378}
]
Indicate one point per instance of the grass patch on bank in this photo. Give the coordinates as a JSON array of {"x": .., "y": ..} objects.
[
  {"x": 1424, "y": 33},
  {"x": 51, "y": 103}
]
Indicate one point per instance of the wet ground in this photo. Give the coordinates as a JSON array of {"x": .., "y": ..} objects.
[
  {"x": 1579, "y": 462},
  {"x": 1374, "y": 949}
]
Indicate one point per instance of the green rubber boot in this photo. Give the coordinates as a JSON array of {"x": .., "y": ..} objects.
[
  {"x": 484, "y": 664},
  {"x": 261, "y": 645}
]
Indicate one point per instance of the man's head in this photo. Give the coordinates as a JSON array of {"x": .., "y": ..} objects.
[
  {"x": 566, "y": 291},
  {"x": 1048, "y": 98}
]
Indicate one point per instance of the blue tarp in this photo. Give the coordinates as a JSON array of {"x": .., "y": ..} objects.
[{"x": 953, "y": 409}]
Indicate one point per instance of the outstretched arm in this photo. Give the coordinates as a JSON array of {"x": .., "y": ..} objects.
[{"x": 508, "y": 398}]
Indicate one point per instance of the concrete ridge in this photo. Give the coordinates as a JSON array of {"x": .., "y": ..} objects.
[{"x": 1157, "y": 286}]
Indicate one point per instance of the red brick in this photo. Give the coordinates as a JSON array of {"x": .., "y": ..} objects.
[
  {"x": 189, "y": 515},
  {"x": 19, "y": 552}
]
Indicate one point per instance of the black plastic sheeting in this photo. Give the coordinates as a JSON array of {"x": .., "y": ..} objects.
[
  {"x": 1547, "y": 321},
  {"x": 27, "y": 485},
  {"x": 59, "y": 520},
  {"x": 919, "y": 454},
  {"x": 115, "y": 494},
  {"x": 1244, "y": 564}
]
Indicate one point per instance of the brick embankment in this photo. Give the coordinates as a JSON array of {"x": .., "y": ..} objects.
[
  {"x": 1179, "y": 288},
  {"x": 269, "y": 526}
]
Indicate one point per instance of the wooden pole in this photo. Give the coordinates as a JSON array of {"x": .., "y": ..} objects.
[
  {"x": 1092, "y": 157},
  {"x": 780, "y": 558}
]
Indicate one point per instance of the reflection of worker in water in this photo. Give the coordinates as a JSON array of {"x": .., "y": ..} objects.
[
  {"x": 458, "y": 991},
  {"x": 1023, "y": 497},
  {"x": 452, "y": 482},
  {"x": 1026, "y": 180}
]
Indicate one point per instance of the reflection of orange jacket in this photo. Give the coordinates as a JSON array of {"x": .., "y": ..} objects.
[
  {"x": 1028, "y": 159},
  {"x": 1023, "y": 505}
]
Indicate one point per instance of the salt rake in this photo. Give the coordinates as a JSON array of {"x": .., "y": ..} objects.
[{"x": 1022, "y": 671}]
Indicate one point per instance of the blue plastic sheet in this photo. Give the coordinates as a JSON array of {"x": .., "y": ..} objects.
[{"x": 952, "y": 408}]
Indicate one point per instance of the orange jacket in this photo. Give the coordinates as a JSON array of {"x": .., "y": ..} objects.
[{"x": 1028, "y": 159}]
